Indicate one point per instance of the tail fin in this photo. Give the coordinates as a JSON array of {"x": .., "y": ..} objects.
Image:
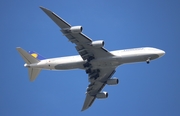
[
  {"x": 36, "y": 55},
  {"x": 29, "y": 59}
]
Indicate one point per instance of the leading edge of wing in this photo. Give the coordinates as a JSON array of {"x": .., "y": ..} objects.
[{"x": 58, "y": 20}]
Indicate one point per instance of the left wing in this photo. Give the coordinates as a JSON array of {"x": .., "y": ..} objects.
[{"x": 95, "y": 87}]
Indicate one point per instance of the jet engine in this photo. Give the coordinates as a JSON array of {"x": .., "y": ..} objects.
[
  {"x": 98, "y": 44},
  {"x": 112, "y": 81},
  {"x": 74, "y": 29},
  {"x": 102, "y": 95}
]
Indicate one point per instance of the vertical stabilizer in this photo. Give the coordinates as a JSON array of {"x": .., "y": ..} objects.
[{"x": 36, "y": 55}]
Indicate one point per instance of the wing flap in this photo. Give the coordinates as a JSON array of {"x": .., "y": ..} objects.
[{"x": 83, "y": 41}]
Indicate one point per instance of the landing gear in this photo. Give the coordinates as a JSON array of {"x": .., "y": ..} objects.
[
  {"x": 87, "y": 64},
  {"x": 90, "y": 58},
  {"x": 148, "y": 60},
  {"x": 94, "y": 76},
  {"x": 88, "y": 71}
]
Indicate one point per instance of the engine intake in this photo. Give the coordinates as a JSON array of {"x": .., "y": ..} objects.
[
  {"x": 98, "y": 44},
  {"x": 73, "y": 29},
  {"x": 112, "y": 81},
  {"x": 102, "y": 95}
]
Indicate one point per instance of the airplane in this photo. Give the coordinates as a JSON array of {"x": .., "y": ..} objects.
[{"x": 99, "y": 63}]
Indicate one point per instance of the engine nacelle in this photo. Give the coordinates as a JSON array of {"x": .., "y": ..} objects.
[
  {"x": 98, "y": 44},
  {"x": 74, "y": 29},
  {"x": 112, "y": 81},
  {"x": 102, "y": 95}
]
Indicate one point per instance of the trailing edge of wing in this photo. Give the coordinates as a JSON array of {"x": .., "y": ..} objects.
[{"x": 59, "y": 21}]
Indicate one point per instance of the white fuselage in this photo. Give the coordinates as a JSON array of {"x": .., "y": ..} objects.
[{"x": 118, "y": 57}]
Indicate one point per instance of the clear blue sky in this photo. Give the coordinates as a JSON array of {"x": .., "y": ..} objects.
[{"x": 144, "y": 90}]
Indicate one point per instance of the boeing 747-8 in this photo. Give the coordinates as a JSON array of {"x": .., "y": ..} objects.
[{"x": 98, "y": 63}]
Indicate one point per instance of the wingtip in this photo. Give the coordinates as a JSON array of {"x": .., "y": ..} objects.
[
  {"x": 44, "y": 9},
  {"x": 83, "y": 109},
  {"x": 18, "y": 48},
  {"x": 41, "y": 7},
  {"x": 31, "y": 80}
]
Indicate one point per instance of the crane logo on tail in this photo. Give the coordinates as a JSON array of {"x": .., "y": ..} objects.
[{"x": 36, "y": 55}]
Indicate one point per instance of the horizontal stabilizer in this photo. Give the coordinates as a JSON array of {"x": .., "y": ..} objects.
[
  {"x": 33, "y": 73},
  {"x": 29, "y": 59}
]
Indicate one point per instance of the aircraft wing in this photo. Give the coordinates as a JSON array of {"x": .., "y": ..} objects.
[
  {"x": 96, "y": 86},
  {"x": 82, "y": 41}
]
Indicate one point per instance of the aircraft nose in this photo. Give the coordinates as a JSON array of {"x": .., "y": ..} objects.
[{"x": 161, "y": 53}]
